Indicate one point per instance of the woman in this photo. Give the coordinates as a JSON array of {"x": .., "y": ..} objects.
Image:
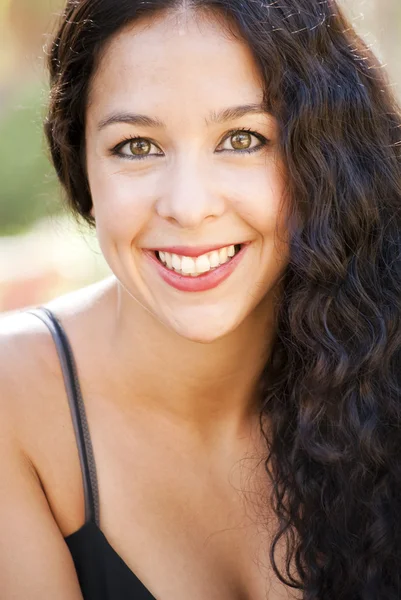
[{"x": 233, "y": 421}]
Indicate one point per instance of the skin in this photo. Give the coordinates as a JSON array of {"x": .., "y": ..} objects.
[{"x": 185, "y": 468}]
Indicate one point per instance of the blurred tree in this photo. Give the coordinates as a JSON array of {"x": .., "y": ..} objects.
[{"x": 28, "y": 185}]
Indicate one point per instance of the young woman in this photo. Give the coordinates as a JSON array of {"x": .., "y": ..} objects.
[{"x": 221, "y": 419}]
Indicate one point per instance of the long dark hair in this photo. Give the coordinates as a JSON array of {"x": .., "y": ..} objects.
[{"x": 332, "y": 387}]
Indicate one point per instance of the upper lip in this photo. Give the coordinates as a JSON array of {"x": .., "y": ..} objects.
[{"x": 193, "y": 251}]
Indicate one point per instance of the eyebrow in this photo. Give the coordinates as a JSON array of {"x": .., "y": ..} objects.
[{"x": 221, "y": 116}]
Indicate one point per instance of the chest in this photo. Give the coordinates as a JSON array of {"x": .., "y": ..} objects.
[{"x": 186, "y": 523}]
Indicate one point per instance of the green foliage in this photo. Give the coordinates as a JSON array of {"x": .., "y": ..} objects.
[{"x": 28, "y": 185}]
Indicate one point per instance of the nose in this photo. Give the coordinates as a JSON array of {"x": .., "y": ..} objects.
[{"x": 189, "y": 197}]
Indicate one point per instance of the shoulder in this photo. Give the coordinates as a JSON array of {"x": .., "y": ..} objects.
[
  {"x": 28, "y": 367},
  {"x": 27, "y": 364},
  {"x": 26, "y": 351},
  {"x": 30, "y": 372}
]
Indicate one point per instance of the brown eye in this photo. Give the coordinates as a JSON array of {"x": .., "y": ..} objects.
[
  {"x": 241, "y": 140},
  {"x": 140, "y": 147},
  {"x": 137, "y": 148}
]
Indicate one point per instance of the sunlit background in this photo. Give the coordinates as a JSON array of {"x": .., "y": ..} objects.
[{"x": 43, "y": 252}]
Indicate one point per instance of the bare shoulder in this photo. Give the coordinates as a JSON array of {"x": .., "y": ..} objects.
[
  {"x": 26, "y": 361},
  {"x": 26, "y": 349},
  {"x": 29, "y": 366},
  {"x": 28, "y": 373},
  {"x": 27, "y": 358}
]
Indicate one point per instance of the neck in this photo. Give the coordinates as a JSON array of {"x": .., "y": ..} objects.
[{"x": 206, "y": 386}]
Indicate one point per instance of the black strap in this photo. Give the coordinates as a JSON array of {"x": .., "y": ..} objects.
[{"x": 78, "y": 413}]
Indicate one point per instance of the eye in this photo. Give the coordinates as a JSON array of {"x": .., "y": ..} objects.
[
  {"x": 137, "y": 148},
  {"x": 238, "y": 140},
  {"x": 242, "y": 140}
]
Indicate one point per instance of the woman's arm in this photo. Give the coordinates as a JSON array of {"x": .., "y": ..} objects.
[{"x": 35, "y": 563}]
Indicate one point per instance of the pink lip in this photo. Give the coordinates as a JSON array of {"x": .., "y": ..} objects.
[
  {"x": 202, "y": 283},
  {"x": 193, "y": 251}
]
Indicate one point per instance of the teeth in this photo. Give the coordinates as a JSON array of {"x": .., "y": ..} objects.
[
  {"x": 176, "y": 261},
  {"x": 214, "y": 259},
  {"x": 203, "y": 264},
  {"x": 168, "y": 259},
  {"x": 223, "y": 255},
  {"x": 185, "y": 265}
]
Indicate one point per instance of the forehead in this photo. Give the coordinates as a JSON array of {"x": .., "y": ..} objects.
[{"x": 175, "y": 58}]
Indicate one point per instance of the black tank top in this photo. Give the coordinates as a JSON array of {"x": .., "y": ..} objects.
[{"x": 102, "y": 573}]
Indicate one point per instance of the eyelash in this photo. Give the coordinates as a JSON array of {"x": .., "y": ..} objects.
[{"x": 116, "y": 151}]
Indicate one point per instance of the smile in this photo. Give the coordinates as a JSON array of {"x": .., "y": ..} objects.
[
  {"x": 194, "y": 267},
  {"x": 197, "y": 273}
]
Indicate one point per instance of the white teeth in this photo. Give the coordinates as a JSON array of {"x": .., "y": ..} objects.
[
  {"x": 196, "y": 266},
  {"x": 203, "y": 264},
  {"x": 214, "y": 259},
  {"x": 176, "y": 260},
  {"x": 168, "y": 259},
  {"x": 223, "y": 255},
  {"x": 231, "y": 251},
  {"x": 187, "y": 265}
]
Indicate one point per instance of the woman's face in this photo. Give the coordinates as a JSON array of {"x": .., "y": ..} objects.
[{"x": 184, "y": 169}]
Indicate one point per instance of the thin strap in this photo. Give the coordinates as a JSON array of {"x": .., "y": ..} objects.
[{"x": 78, "y": 413}]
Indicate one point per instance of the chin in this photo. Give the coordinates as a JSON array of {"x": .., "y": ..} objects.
[
  {"x": 200, "y": 335},
  {"x": 202, "y": 329}
]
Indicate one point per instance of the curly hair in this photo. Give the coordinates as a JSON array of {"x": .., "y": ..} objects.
[{"x": 332, "y": 385}]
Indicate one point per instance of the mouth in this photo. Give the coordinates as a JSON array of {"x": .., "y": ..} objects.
[
  {"x": 188, "y": 266},
  {"x": 197, "y": 273}
]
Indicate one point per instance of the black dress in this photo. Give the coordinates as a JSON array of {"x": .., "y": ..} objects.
[{"x": 102, "y": 573}]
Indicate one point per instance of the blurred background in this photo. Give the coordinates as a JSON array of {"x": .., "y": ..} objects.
[{"x": 43, "y": 252}]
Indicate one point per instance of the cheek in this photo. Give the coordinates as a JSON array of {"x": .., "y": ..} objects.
[
  {"x": 121, "y": 207},
  {"x": 258, "y": 196}
]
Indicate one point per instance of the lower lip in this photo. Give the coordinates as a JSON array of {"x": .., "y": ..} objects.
[{"x": 201, "y": 283}]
